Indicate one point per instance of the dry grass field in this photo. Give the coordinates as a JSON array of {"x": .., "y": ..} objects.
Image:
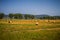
[
  {"x": 17, "y": 21},
  {"x": 19, "y": 29}
]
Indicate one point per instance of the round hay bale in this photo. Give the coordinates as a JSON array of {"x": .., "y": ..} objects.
[
  {"x": 36, "y": 23},
  {"x": 9, "y": 21}
]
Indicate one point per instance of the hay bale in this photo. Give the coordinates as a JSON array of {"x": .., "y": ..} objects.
[
  {"x": 36, "y": 23},
  {"x": 9, "y": 21}
]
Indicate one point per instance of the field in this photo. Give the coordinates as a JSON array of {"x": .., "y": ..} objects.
[{"x": 19, "y": 29}]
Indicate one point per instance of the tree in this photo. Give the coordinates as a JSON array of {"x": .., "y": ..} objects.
[
  {"x": 57, "y": 17},
  {"x": 31, "y": 16},
  {"x": 1, "y": 15},
  {"x": 18, "y": 16},
  {"x": 11, "y": 15},
  {"x": 28, "y": 16}
]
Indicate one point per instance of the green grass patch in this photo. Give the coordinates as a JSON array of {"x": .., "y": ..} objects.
[
  {"x": 25, "y": 35},
  {"x": 50, "y": 26},
  {"x": 21, "y": 32}
]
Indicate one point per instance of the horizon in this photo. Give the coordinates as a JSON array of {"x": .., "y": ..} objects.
[{"x": 34, "y": 7}]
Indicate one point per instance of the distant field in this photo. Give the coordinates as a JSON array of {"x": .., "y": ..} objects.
[{"x": 27, "y": 30}]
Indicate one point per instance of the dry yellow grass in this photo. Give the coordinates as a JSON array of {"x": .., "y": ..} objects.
[{"x": 17, "y": 21}]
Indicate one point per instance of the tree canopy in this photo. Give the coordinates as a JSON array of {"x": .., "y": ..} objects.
[{"x": 1, "y": 15}]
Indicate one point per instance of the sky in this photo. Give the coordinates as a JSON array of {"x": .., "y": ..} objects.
[{"x": 35, "y": 7}]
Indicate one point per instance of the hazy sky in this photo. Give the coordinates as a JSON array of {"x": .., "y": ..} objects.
[{"x": 36, "y": 7}]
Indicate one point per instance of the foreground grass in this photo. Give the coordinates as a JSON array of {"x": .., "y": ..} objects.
[
  {"x": 21, "y": 32},
  {"x": 28, "y": 35}
]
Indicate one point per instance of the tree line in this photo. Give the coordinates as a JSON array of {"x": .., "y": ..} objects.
[
  {"x": 17, "y": 16},
  {"x": 26, "y": 16},
  {"x": 50, "y": 17}
]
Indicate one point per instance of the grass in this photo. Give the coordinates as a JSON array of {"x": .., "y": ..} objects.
[
  {"x": 22, "y": 31},
  {"x": 30, "y": 26},
  {"x": 14, "y": 32},
  {"x": 28, "y": 35}
]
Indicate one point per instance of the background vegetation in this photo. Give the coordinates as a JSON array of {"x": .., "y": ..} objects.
[{"x": 27, "y": 16}]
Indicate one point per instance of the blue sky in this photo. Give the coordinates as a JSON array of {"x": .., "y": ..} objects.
[{"x": 35, "y": 7}]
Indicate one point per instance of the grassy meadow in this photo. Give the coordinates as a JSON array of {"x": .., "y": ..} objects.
[{"x": 28, "y": 30}]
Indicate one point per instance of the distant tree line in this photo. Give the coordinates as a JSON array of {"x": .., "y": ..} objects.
[
  {"x": 50, "y": 17},
  {"x": 26, "y": 16},
  {"x": 21, "y": 16},
  {"x": 17, "y": 16}
]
